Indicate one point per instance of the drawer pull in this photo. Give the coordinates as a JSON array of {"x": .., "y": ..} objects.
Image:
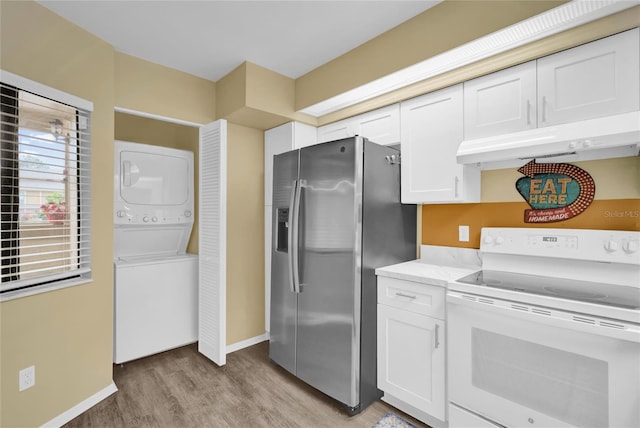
[{"x": 408, "y": 296}]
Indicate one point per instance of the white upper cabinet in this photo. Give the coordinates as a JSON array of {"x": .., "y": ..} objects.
[
  {"x": 303, "y": 135},
  {"x": 431, "y": 131},
  {"x": 382, "y": 126},
  {"x": 592, "y": 80},
  {"x": 336, "y": 131},
  {"x": 501, "y": 102}
]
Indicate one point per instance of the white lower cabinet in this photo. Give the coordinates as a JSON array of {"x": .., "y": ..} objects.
[{"x": 411, "y": 348}]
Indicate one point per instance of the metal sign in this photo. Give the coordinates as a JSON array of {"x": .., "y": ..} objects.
[{"x": 554, "y": 191}]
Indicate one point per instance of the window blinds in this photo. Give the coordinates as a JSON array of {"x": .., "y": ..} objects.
[{"x": 46, "y": 205}]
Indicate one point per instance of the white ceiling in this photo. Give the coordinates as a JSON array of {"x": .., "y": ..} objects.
[{"x": 210, "y": 38}]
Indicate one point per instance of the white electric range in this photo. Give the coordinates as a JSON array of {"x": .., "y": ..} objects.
[{"x": 547, "y": 334}]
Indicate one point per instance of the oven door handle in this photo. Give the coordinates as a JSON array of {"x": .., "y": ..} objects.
[{"x": 557, "y": 318}]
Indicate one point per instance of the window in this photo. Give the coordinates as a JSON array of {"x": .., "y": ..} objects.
[{"x": 45, "y": 188}]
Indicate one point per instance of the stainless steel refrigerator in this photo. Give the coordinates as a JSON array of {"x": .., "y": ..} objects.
[{"x": 337, "y": 216}]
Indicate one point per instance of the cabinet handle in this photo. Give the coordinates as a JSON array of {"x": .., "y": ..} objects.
[
  {"x": 408, "y": 296},
  {"x": 544, "y": 109},
  {"x": 437, "y": 334},
  {"x": 455, "y": 187},
  {"x": 528, "y": 112}
]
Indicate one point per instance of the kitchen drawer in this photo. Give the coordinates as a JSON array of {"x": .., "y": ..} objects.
[
  {"x": 460, "y": 418},
  {"x": 412, "y": 296}
]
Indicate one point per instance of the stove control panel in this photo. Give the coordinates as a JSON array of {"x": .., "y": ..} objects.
[{"x": 582, "y": 244}]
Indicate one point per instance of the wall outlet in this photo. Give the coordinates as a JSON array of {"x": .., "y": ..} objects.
[
  {"x": 26, "y": 378},
  {"x": 463, "y": 233}
]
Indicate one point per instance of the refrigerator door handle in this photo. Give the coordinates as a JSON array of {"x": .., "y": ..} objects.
[
  {"x": 290, "y": 241},
  {"x": 294, "y": 221}
]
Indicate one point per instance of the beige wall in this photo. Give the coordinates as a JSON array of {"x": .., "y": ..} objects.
[
  {"x": 66, "y": 334},
  {"x": 245, "y": 233},
  {"x": 257, "y": 97},
  {"x": 151, "y": 88}
]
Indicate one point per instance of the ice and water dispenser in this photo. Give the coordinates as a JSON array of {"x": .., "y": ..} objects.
[{"x": 282, "y": 231}]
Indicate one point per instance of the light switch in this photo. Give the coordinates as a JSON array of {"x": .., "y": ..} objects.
[{"x": 463, "y": 233}]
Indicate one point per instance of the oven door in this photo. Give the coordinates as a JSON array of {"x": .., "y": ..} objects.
[{"x": 527, "y": 366}]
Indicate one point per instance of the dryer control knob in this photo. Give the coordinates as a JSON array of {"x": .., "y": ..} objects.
[
  {"x": 145, "y": 219},
  {"x": 154, "y": 219},
  {"x": 631, "y": 247},
  {"x": 187, "y": 213},
  {"x": 120, "y": 213},
  {"x": 499, "y": 240},
  {"x": 488, "y": 239},
  {"x": 610, "y": 246}
]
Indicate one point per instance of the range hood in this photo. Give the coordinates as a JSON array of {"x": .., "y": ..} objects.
[{"x": 605, "y": 137}]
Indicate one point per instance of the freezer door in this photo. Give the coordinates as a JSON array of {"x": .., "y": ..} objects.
[
  {"x": 327, "y": 338},
  {"x": 283, "y": 300}
]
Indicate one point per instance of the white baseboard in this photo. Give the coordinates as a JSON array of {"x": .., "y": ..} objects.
[
  {"x": 246, "y": 343},
  {"x": 81, "y": 407},
  {"x": 416, "y": 413}
]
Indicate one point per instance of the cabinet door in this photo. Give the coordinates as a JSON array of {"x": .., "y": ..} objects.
[
  {"x": 431, "y": 131},
  {"x": 411, "y": 359},
  {"x": 337, "y": 130},
  {"x": 276, "y": 140},
  {"x": 304, "y": 135},
  {"x": 382, "y": 126},
  {"x": 501, "y": 102},
  {"x": 593, "y": 80}
]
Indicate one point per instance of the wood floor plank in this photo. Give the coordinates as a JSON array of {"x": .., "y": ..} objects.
[{"x": 182, "y": 388}]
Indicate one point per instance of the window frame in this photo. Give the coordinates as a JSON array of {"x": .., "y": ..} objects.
[{"x": 71, "y": 278}]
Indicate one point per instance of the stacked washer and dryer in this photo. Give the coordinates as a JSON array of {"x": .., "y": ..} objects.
[{"x": 156, "y": 281}]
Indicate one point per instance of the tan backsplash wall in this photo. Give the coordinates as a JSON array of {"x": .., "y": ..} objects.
[{"x": 616, "y": 205}]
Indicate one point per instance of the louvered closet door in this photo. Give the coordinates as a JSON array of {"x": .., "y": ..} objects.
[{"x": 212, "y": 241}]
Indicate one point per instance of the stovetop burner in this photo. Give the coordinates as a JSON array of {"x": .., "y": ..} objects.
[{"x": 592, "y": 292}]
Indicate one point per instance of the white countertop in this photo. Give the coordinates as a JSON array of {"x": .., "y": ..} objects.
[{"x": 436, "y": 266}]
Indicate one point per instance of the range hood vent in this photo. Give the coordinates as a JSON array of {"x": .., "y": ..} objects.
[{"x": 605, "y": 137}]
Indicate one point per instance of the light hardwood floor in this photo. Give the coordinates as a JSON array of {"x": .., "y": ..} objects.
[{"x": 182, "y": 388}]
